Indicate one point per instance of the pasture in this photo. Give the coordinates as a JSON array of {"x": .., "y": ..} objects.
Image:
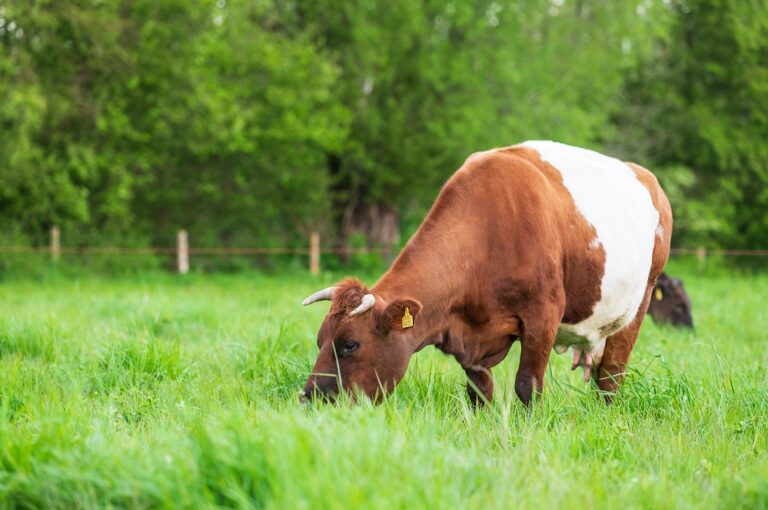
[{"x": 169, "y": 391}]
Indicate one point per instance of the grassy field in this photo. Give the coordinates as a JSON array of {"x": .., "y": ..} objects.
[{"x": 181, "y": 392}]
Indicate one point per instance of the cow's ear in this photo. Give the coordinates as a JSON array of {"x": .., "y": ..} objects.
[{"x": 399, "y": 315}]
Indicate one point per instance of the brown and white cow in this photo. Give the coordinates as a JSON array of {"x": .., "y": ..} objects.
[{"x": 548, "y": 244}]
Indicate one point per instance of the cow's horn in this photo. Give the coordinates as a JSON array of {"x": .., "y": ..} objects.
[
  {"x": 320, "y": 295},
  {"x": 368, "y": 301}
]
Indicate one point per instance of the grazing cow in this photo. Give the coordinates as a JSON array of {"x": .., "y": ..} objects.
[
  {"x": 670, "y": 303},
  {"x": 548, "y": 244}
]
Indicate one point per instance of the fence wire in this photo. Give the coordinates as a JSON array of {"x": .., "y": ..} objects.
[{"x": 168, "y": 250}]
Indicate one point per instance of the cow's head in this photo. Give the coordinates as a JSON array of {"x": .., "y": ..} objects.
[
  {"x": 670, "y": 303},
  {"x": 365, "y": 343}
]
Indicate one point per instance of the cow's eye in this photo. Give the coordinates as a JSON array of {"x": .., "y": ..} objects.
[{"x": 349, "y": 346}]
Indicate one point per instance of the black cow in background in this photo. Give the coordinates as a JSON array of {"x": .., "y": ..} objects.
[{"x": 670, "y": 303}]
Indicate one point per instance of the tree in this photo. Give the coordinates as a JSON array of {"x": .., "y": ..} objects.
[
  {"x": 428, "y": 83},
  {"x": 252, "y": 123},
  {"x": 699, "y": 114},
  {"x": 57, "y": 62},
  {"x": 141, "y": 117}
]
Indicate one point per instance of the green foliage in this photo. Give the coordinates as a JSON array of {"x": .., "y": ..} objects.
[
  {"x": 252, "y": 123},
  {"x": 181, "y": 393},
  {"x": 429, "y": 83},
  {"x": 699, "y": 114},
  {"x": 144, "y": 117}
]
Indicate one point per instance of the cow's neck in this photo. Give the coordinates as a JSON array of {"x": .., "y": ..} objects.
[{"x": 434, "y": 277}]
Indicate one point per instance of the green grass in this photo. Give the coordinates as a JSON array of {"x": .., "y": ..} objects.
[{"x": 181, "y": 392}]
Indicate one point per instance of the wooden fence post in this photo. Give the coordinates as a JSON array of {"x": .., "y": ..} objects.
[
  {"x": 314, "y": 253},
  {"x": 55, "y": 243},
  {"x": 701, "y": 254},
  {"x": 182, "y": 251}
]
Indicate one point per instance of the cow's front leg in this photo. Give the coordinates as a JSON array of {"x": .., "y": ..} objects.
[
  {"x": 480, "y": 379},
  {"x": 535, "y": 346}
]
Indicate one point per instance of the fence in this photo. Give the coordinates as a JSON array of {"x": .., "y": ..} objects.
[{"x": 183, "y": 251}]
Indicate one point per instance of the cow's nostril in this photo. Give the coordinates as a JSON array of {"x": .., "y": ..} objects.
[
  {"x": 305, "y": 397},
  {"x": 317, "y": 395}
]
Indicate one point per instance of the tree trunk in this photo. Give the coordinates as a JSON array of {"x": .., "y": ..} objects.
[{"x": 378, "y": 223}]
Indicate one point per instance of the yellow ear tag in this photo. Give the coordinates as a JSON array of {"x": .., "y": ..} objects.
[
  {"x": 659, "y": 295},
  {"x": 407, "y": 319}
]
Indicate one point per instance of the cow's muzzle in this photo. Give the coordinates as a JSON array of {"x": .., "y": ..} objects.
[{"x": 320, "y": 387}]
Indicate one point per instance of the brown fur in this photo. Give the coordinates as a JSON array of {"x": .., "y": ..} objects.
[{"x": 503, "y": 255}]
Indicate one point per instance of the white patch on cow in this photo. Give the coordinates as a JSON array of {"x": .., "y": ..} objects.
[
  {"x": 660, "y": 232},
  {"x": 609, "y": 196},
  {"x": 594, "y": 243}
]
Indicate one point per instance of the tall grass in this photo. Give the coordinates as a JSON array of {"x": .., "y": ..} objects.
[{"x": 174, "y": 392}]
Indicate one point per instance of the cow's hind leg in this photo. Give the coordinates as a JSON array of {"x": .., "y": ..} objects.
[{"x": 618, "y": 347}]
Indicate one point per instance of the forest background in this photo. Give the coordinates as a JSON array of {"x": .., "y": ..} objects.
[{"x": 254, "y": 123}]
